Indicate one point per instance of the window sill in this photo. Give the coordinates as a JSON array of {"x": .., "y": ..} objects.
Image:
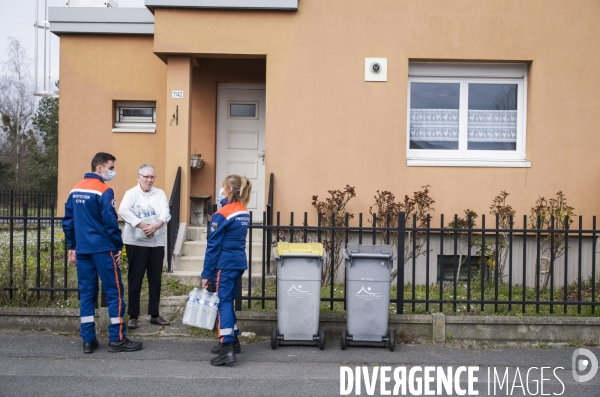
[
  {"x": 143, "y": 130},
  {"x": 468, "y": 163}
]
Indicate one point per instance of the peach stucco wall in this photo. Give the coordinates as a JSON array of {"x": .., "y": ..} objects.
[
  {"x": 325, "y": 126},
  {"x": 94, "y": 72}
]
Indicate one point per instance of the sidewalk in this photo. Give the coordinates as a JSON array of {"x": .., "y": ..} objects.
[
  {"x": 171, "y": 308},
  {"x": 39, "y": 363}
]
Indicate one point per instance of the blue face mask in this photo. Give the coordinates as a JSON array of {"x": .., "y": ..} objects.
[{"x": 110, "y": 175}]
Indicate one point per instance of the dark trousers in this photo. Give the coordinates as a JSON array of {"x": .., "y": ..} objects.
[{"x": 144, "y": 260}]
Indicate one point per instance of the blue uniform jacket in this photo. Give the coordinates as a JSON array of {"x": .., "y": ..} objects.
[
  {"x": 90, "y": 223},
  {"x": 226, "y": 249}
]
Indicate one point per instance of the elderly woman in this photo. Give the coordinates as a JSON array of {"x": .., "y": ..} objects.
[{"x": 145, "y": 210}]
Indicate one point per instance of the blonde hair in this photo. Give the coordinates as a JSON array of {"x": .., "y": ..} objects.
[{"x": 241, "y": 188}]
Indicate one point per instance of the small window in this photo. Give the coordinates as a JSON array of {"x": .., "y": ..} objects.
[
  {"x": 242, "y": 110},
  {"x": 135, "y": 117},
  {"x": 446, "y": 269},
  {"x": 466, "y": 114}
]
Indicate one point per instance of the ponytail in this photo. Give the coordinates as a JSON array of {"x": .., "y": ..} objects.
[{"x": 241, "y": 188}]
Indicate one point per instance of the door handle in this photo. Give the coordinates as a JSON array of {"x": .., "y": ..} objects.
[{"x": 262, "y": 155}]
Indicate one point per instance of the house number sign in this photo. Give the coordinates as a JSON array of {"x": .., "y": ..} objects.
[{"x": 178, "y": 94}]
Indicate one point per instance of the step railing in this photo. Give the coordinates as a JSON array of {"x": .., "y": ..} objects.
[{"x": 173, "y": 226}]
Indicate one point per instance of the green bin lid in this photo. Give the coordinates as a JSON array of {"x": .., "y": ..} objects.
[{"x": 299, "y": 248}]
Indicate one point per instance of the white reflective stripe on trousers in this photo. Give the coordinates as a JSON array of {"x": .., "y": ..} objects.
[
  {"x": 87, "y": 319},
  {"x": 116, "y": 320},
  {"x": 226, "y": 331}
]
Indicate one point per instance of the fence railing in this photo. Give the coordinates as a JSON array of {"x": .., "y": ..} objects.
[
  {"x": 524, "y": 269},
  {"x": 47, "y": 201},
  {"x": 33, "y": 256},
  {"x": 173, "y": 225},
  {"x": 450, "y": 269}
]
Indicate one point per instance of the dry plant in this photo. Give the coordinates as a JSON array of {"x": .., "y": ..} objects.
[
  {"x": 416, "y": 208},
  {"x": 504, "y": 213},
  {"x": 465, "y": 245},
  {"x": 333, "y": 209},
  {"x": 555, "y": 216}
]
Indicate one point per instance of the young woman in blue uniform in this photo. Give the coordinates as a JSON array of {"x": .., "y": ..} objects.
[{"x": 225, "y": 261}]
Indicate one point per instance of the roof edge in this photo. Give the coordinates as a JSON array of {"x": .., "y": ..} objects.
[
  {"x": 275, "y": 5},
  {"x": 94, "y": 20}
]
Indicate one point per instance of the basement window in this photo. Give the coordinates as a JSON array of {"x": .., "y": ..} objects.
[
  {"x": 446, "y": 268},
  {"x": 135, "y": 117}
]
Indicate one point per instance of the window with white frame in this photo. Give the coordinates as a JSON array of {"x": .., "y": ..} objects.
[
  {"x": 466, "y": 114},
  {"x": 135, "y": 117}
]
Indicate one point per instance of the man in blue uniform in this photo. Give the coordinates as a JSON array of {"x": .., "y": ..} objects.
[{"x": 94, "y": 243}]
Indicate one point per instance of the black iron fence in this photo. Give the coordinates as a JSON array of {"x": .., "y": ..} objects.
[
  {"x": 452, "y": 268},
  {"x": 440, "y": 268},
  {"x": 17, "y": 199},
  {"x": 33, "y": 256}
]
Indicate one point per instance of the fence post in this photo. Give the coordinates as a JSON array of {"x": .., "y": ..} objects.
[
  {"x": 400, "y": 262},
  {"x": 25, "y": 250},
  {"x": 11, "y": 243}
]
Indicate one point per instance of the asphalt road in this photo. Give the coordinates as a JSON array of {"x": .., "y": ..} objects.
[{"x": 43, "y": 364}]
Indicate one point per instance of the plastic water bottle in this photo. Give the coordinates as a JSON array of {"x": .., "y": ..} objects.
[
  {"x": 207, "y": 313},
  {"x": 191, "y": 307},
  {"x": 147, "y": 215},
  {"x": 214, "y": 308},
  {"x": 202, "y": 297}
]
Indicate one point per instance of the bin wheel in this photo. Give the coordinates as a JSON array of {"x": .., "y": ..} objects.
[
  {"x": 321, "y": 339},
  {"x": 274, "y": 341},
  {"x": 344, "y": 340},
  {"x": 391, "y": 339}
]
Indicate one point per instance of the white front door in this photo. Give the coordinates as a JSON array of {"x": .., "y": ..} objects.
[{"x": 241, "y": 139}]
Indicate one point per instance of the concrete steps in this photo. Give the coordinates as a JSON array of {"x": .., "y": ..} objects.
[
  {"x": 198, "y": 248},
  {"x": 195, "y": 278},
  {"x": 190, "y": 265},
  {"x": 196, "y": 264},
  {"x": 198, "y": 233}
]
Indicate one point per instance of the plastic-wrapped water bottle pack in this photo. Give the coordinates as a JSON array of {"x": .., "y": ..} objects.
[{"x": 201, "y": 309}]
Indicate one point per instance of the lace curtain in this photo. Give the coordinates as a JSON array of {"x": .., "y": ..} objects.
[{"x": 436, "y": 125}]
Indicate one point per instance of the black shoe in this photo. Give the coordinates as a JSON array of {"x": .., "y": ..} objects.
[
  {"x": 89, "y": 348},
  {"x": 158, "y": 320},
  {"x": 133, "y": 323},
  {"x": 237, "y": 348},
  {"x": 124, "y": 346},
  {"x": 226, "y": 356}
]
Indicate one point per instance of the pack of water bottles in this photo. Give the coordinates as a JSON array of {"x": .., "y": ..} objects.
[
  {"x": 147, "y": 215},
  {"x": 201, "y": 309}
]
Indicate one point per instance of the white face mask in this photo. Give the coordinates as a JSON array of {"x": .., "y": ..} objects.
[
  {"x": 110, "y": 175},
  {"x": 221, "y": 197}
]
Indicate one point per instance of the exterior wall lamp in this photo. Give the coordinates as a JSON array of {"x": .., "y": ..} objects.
[{"x": 196, "y": 161}]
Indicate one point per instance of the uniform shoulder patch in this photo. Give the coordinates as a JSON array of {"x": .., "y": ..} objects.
[
  {"x": 113, "y": 202},
  {"x": 213, "y": 226}
]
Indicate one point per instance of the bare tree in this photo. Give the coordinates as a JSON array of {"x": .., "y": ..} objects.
[{"x": 17, "y": 106}]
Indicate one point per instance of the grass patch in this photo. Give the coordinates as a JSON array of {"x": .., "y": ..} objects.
[
  {"x": 459, "y": 308},
  {"x": 53, "y": 272},
  {"x": 23, "y": 269}
]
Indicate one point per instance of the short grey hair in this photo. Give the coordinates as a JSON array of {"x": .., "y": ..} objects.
[{"x": 144, "y": 167}]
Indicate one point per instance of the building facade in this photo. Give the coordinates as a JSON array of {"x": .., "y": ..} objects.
[{"x": 470, "y": 98}]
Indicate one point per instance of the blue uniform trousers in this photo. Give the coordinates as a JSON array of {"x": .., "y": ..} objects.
[
  {"x": 89, "y": 267},
  {"x": 227, "y": 287}
]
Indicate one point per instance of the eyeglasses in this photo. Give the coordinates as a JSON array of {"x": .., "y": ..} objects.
[{"x": 151, "y": 177}]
